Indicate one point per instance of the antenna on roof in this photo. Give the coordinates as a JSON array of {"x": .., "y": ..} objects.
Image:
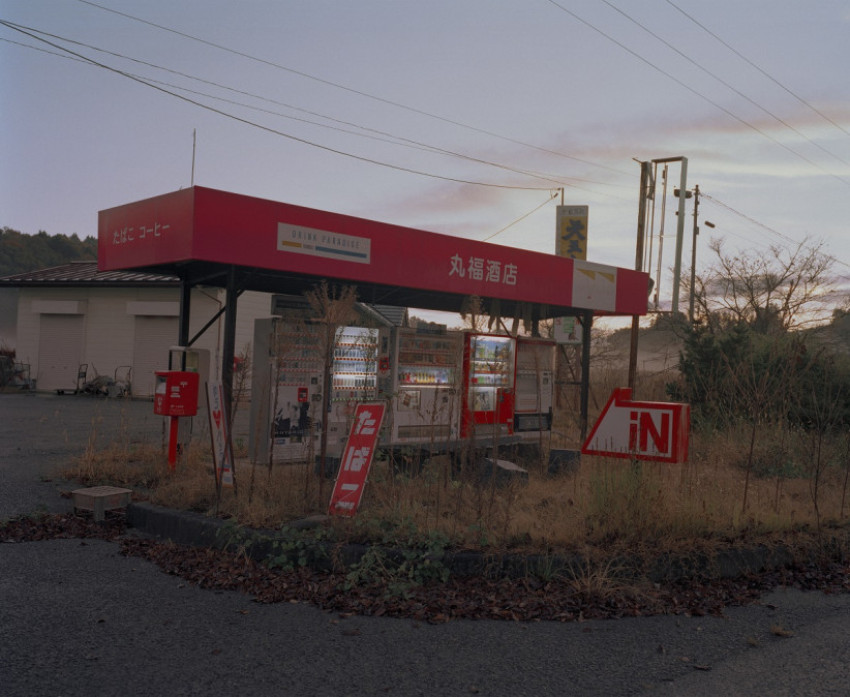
[{"x": 194, "y": 132}]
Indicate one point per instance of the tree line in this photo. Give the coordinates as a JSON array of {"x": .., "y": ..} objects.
[{"x": 20, "y": 253}]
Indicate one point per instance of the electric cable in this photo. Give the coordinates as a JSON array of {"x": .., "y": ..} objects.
[
  {"x": 522, "y": 217},
  {"x": 724, "y": 82},
  {"x": 767, "y": 228},
  {"x": 351, "y": 90},
  {"x": 692, "y": 91},
  {"x": 390, "y": 138},
  {"x": 268, "y": 129},
  {"x": 759, "y": 68}
]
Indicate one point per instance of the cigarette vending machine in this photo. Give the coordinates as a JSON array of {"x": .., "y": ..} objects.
[
  {"x": 535, "y": 366},
  {"x": 289, "y": 381},
  {"x": 294, "y": 387},
  {"x": 424, "y": 381},
  {"x": 489, "y": 367}
]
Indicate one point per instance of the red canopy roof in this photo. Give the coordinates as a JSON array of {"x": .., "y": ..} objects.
[{"x": 198, "y": 233}]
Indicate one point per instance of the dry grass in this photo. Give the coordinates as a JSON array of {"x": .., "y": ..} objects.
[{"x": 605, "y": 502}]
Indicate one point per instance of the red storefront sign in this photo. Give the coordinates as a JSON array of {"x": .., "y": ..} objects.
[
  {"x": 356, "y": 459},
  {"x": 207, "y": 225}
]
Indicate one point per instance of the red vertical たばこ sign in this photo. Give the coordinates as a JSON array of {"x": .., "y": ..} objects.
[{"x": 356, "y": 459}]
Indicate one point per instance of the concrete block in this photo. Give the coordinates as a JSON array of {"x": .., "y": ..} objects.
[{"x": 99, "y": 499}]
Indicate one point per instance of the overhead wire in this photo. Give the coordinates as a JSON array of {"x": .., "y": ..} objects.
[
  {"x": 522, "y": 217},
  {"x": 351, "y": 90},
  {"x": 268, "y": 129},
  {"x": 723, "y": 82},
  {"x": 693, "y": 91},
  {"x": 389, "y": 102},
  {"x": 767, "y": 228},
  {"x": 759, "y": 68},
  {"x": 367, "y": 132}
]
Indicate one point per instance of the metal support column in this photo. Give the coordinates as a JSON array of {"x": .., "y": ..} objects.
[
  {"x": 586, "y": 323},
  {"x": 228, "y": 352},
  {"x": 185, "y": 307},
  {"x": 641, "y": 233}
]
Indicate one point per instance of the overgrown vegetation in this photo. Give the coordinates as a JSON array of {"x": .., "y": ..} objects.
[{"x": 769, "y": 459}]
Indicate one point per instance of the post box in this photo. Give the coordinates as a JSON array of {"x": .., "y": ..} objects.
[{"x": 176, "y": 393}]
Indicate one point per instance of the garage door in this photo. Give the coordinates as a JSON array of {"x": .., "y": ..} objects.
[
  {"x": 60, "y": 351},
  {"x": 153, "y": 337}
]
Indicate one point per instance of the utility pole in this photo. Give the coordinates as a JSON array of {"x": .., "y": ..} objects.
[
  {"x": 641, "y": 232},
  {"x": 695, "y": 193},
  {"x": 694, "y": 254}
]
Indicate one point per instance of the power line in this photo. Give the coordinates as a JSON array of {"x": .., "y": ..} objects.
[
  {"x": 723, "y": 82},
  {"x": 757, "y": 67},
  {"x": 767, "y": 228},
  {"x": 389, "y": 137},
  {"x": 268, "y": 129},
  {"x": 563, "y": 180},
  {"x": 691, "y": 90},
  {"x": 351, "y": 90},
  {"x": 522, "y": 217}
]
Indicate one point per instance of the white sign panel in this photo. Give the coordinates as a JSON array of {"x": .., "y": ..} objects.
[{"x": 221, "y": 447}]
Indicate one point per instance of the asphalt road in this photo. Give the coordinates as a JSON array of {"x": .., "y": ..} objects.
[{"x": 77, "y": 618}]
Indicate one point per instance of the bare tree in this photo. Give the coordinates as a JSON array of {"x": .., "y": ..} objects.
[
  {"x": 332, "y": 308},
  {"x": 776, "y": 291}
]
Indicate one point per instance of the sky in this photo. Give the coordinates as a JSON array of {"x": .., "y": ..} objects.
[{"x": 464, "y": 117}]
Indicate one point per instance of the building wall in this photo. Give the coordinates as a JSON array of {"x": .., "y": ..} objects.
[
  {"x": 252, "y": 305},
  {"x": 110, "y": 320}
]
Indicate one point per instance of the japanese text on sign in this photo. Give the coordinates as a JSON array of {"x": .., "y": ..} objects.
[
  {"x": 356, "y": 459},
  {"x": 130, "y": 233},
  {"x": 571, "y": 237},
  {"x": 480, "y": 269}
]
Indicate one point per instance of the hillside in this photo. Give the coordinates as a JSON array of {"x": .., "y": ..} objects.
[{"x": 20, "y": 253}]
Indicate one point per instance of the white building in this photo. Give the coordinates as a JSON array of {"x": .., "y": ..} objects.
[{"x": 74, "y": 318}]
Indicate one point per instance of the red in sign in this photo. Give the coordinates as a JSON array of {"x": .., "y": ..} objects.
[
  {"x": 356, "y": 459},
  {"x": 640, "y": 430}
]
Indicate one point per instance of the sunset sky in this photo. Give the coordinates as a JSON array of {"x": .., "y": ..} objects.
[{"x": 457, "y": 116}]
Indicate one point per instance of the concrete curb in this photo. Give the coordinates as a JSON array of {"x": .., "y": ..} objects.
[{"x": 197, "y": 530}]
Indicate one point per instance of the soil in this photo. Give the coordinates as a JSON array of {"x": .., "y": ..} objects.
[{"x": 525, "y": 599}]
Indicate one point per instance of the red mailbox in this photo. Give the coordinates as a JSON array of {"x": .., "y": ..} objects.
[{"x": 176, "y": 393}]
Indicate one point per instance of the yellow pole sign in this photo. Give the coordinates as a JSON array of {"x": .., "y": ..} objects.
[{"x": 571, "y": 232}]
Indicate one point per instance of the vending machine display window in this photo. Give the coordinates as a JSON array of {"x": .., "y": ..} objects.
[
  {"x": 355, "y": 365},
  {"x": 296, "y": 367},
  {"x": 489, "y": 369},
  {"x": 427, "y": 374},
  {"x": 428, "y": 360}
]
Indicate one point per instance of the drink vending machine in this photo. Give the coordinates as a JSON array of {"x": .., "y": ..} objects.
[
  {"x": 421, "y": 382},
  {"x": 442, "y": 388},
  {"x": 489, "y": 369}
]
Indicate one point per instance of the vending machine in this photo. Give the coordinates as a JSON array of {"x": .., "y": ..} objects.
[
  {"x": 353, "y": 379},
  {"x": 424, "y": 386},
  {"x": 535, "y": 383},
  {"x": 295, "y": 390},
  {"x": 489, "y": 368}
]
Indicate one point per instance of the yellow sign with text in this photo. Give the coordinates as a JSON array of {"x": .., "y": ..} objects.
[{"x": 571, "y": 232}]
